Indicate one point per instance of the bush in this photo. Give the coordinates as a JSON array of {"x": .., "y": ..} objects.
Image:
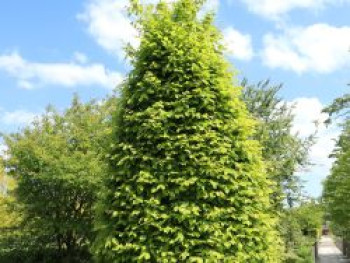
[{"x": 59, "y": 162}]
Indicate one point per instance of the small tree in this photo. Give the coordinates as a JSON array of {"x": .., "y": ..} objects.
[{"x": 186, "y": 180}]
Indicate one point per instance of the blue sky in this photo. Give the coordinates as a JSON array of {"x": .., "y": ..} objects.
[{"x": 52, "y": 49}]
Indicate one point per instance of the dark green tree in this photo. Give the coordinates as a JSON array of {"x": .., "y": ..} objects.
[
  {"x": 339, "y": 108},
  {"x": 285, "y": 153},
  {"x": 336, "y": 190},
  {"x": 11, "y": 219},
  {"x": 59, "y": 161},
  {"x": 7, "y": 184},
  {"x": 300, "y": 228},
  {"x": 337, "y": 184},
  {"x": 187, "y": 182}
]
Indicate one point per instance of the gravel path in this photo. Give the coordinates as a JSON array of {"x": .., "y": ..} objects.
[{"x": 328, "y": 252}]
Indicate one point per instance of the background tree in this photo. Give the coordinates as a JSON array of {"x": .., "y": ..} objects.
[
  {"x": 7, "y": 185},
  {"x": 337, "y": 184},
  {"x": 285, "y": 153},
  {"x": 301, "y": 228},
  {"x": 186, "y": 181},
  {"x": 339, "y": 108},
  {"x": 58, "y": 163}
]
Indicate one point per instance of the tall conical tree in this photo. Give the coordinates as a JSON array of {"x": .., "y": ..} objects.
[{"x": 187, "y": 183}]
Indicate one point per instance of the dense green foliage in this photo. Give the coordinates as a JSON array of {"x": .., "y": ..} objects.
[
  {"x": 11, "y": 235},
  {"x": 300, "y": 228},
  {"x": 8, "y": 218},
  {"x": 284, "y": 152},
  {"x": 58, "y": 163},
  {"x": 339, "y": 107},
  {"x": 7, "y": 184},
  {"x": 186, "y": 182},
  {"x": 337, "y": 185}
]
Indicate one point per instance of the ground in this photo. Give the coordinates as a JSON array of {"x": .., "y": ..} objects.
[{"x": 328, "y": 252}]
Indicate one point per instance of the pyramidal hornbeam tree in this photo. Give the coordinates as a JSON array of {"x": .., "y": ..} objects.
[{"x": 186, "y": 180}]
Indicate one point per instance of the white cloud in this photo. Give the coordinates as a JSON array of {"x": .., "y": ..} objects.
[
  {"x": 308, "y": 111},
  {"x": 211, "y": 5},
  {"x": 309, "y": 118},
  {"x": 3, "y": 152},
  {"x": 238, "y": 45},
  {"x": 80, "y": 58},
  {"x": 32, "y": 74},
  {"x": 3, "y": 149},
  {"x": 320, "y": 48},
  {"x": 109, "y": 24},
  {"x": 274, "y": 9},
  {"x": 18, "y": 117}
]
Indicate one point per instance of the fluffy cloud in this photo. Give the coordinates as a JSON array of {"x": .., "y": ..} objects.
[
  {"x": 109, "y": 24},
  {"x": 308, "y": 111},
  {"x": 238, "y": 45},
  {"x": 80, "y": 58},
  {"x": 211, "y": 5},
  {"x": 3, "y": 149},
  {"x": 274, "y": 9},
  {"x": 18, "y": 117},
  {"x": 320, "y": 48},
  {"x": 32, "y": 74},
  {"x": 309, "y": 119}
]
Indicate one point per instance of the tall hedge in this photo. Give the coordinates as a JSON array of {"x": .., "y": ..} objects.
[{"x": 186, "y": 180}]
